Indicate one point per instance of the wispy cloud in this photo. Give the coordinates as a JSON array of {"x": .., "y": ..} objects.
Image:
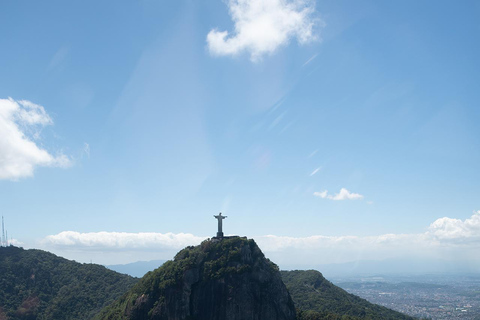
[
  {"x": 58, "y": 58},
  {"x": 310, "y": 60},
  {"x": 86, "y": 149},
  {"x": 20, "y": 124},
  {"x": 277, "y": 120},
  {"x": 263, "y": 26},
  {"x": 315, "y": 171},
  {"x": 344, "y": 194},
  {"x": 312, "y": 154},
  {"x": 321, "y": 194}
]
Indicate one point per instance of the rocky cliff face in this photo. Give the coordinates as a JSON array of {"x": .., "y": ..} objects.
[{"x": 227, "y": 279}]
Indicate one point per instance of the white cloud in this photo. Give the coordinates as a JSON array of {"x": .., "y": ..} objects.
[
  {"x": 261, "y": 26},
  {"x": 446, "y": 239},
  {"x": 455, "y": 230},
  {"x": 279, "y": 243},
  {"x": 15, "y": 242},
  {"x": 122, "y": 240},
  {"x": 19, "y": 154},
  {"x": 344, "y": 194},
  {"x": 315, "y": 171},
  {"x": 322, "y": 194}
]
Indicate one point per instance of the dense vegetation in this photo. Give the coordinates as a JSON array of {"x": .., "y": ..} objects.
[
  {"x": 317, "y": 298},
  {"x": 156, "y": 283},
  {"x": 167, "y": 286},
  {"x": 35, "y": 284}
]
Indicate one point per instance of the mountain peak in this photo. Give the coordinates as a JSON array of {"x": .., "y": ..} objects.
[{"x": 220, "y": 279}]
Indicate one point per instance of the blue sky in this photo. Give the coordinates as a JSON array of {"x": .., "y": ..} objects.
[{"x": 130, "y": 124}]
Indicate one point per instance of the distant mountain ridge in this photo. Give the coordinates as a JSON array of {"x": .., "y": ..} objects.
[
  {"x": 136, "y": 269},
  {"x": 394, "y": 266}
]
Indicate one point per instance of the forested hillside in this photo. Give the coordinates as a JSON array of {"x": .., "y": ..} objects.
[
  {"x": 35, "y": 284},
  {"x": 317, "y": 298}
]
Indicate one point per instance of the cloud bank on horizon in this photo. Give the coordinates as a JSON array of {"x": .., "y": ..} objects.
[
  {"x": 122, "y": 240},
  {"x": 452, "y": 235},
  {"x": 20, "y": 151},
  {"x": 261, "y": 27}
]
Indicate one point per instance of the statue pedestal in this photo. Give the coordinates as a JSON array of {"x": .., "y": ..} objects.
[{"x": 219, "y": 234}]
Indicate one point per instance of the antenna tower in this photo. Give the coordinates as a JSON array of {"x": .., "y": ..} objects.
[{"x": 3, "y": 233}]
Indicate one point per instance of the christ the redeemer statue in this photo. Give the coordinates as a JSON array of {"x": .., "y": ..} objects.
[{"x": 220, "y": 218}]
